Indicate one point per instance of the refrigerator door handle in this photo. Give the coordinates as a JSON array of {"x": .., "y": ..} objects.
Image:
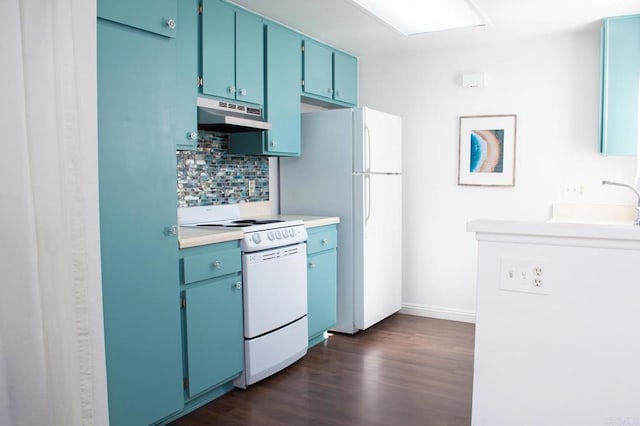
[
  {"x": 367, "y": 201},
  {"x": 367, "y": 148}
]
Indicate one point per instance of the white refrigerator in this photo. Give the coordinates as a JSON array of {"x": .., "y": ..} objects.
[{"x": 350, "y": 166}]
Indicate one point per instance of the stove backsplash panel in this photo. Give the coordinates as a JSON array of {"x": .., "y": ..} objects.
[{"x": 211, "y": 176}]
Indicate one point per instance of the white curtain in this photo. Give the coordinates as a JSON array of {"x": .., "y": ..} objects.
[{"x": 51, "y": 339}]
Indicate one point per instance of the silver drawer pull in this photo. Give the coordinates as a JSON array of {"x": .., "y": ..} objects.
[
  {"x": 324, "y": 241},
  {"x": 312, "y": 265},
  {"x": 238, "y": 285},
  {"x": 216, "y": 265}
]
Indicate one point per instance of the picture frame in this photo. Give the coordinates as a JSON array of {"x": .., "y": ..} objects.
[{"x": 487, "y": 150}]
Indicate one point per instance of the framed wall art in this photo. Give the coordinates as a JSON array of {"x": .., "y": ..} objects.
[{"x": 487, "y": 150}]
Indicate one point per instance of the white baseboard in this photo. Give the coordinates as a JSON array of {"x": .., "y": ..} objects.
[{"x": 439, "y": 312}]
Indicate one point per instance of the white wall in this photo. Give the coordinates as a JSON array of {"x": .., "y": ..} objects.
[{"x": 552, "y": 84}]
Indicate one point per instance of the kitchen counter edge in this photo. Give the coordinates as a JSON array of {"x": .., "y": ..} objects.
[
  {"x": 194, "y": 237},
  {"x": 555, "y": 233}
]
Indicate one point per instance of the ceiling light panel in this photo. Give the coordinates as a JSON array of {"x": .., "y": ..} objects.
[{"x": 412, "y": 17}]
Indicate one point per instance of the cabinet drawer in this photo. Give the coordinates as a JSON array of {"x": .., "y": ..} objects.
[
  {"x": 320, "y": 240},
  {"x": 204, "y": 266}
]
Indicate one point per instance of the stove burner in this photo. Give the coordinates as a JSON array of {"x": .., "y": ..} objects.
[
  {"x": 256, "y": 221},
  {"x": 242, "y": 223}
]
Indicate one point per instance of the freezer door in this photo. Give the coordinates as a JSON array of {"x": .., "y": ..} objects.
[
  {"x": 377, "y": 144},
  {"x": 378, "y": 248}
]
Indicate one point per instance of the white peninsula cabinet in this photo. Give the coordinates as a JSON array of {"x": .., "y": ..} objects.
[{"x": 557, "y": 325}]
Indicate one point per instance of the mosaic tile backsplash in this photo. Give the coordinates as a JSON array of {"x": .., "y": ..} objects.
[{"x": 211, "y": 175}]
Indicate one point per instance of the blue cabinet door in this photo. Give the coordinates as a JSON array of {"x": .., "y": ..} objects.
[
  {"x": 345, "y": 78},
  {"x": 187, "y": 40},
  {"x": 283, "y": 91},
  {"x": 214, "y": 333},
  {"x": 249, "y": 58},
  {"x": 218, "y": 49},
  {"x": 156, "y": 16},
  {"x": 136, "y": 157},
  {"x": 321, "y": 291},
  {"x": 322, "y": 280},
  {"x": 620, "y": 87},
  {"x": 318, "y": 69}
]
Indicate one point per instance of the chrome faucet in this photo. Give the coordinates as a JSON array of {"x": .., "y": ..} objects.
[{"x": 608, "y": 182}]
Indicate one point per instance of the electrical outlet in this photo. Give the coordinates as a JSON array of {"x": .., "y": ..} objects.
[
  {"x": 524, "y": 274},
  {"x": 573, "y": 192},
  {"x": 252, "y": 187}
]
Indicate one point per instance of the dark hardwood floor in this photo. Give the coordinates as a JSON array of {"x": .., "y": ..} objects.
[{"x": 404, "y": 371}]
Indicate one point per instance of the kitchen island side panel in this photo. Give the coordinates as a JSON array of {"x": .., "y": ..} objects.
[{"x": 563, "y": 351}]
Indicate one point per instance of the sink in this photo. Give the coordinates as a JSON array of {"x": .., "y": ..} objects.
[{"x": 596, "y": 214}]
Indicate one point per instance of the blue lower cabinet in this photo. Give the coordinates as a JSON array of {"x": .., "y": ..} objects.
[
  {"x": 322, "y": 283},
  {"x": 213, "y": 334}
]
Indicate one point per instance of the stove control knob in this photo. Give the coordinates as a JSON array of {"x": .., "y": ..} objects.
[
  {"x": 256, "y": 238},
  {"x": 292, "y": 233},
  {"x": 278, "y": 234},
  {"x": 271, "y": 235}
]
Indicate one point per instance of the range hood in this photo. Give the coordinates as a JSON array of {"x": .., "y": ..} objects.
[{"x": 229, "y": 117}]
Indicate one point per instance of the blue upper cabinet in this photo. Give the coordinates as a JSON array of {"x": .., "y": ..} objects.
[
  {"x": 187, "y": 51},
  {"x": 318, "y": 69},
  {"x": 620, "y": 76},
  {"x": 249, "y": 58},
  {"x": 232, "y": 53},
  {"x": 155, "y": 16},
  {"x": 283, "y": 65},
  {"x": 329, "y": 75},
  {"x": 345, "y": 78}
]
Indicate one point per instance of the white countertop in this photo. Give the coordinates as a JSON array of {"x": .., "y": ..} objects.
[
  {"x": 577, "y": 231},
  {"x": 193, "y": 237}
]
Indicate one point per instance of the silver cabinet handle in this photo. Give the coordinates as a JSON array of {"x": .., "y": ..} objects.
[
  {"x": 330, "y": 91},
  {"x": 192, "y": 135},
  {"x": 273, "y": 143},
  {"x": 337, "y": 93},
  {"x": 171, "y": 23},
  {"x": 243, "y": 92},
  {"x": 232, "y": 89},
  {"x": 171, "y": 230},
  {"x": 216, "y": 265},
  {"x": 312, "y": 265},
  {"x": 324, "y": 242},
  {"x": 238, "y": 285}
]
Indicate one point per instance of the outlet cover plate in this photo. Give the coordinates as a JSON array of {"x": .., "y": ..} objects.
[{"x": 524, "y": 274}]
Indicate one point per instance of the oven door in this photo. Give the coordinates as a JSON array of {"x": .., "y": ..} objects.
[{"x": 275, "y": 288}]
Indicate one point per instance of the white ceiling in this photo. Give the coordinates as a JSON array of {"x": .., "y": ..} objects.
[{"x": 344, "y": 25}]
